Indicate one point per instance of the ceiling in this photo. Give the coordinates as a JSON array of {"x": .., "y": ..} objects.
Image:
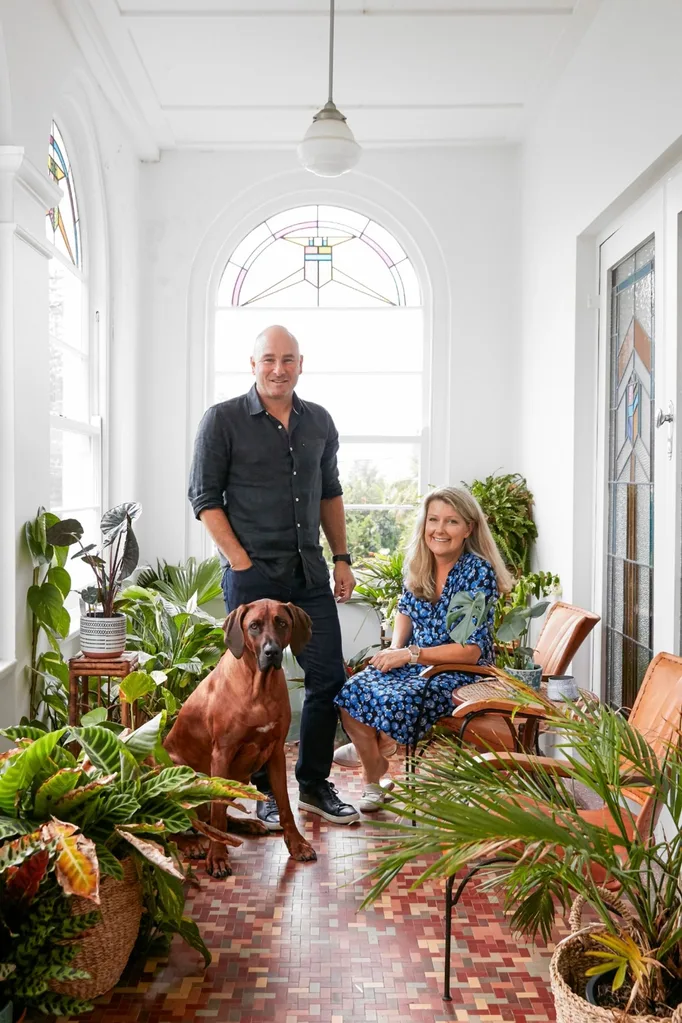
[{"x": 218, "y": 74}]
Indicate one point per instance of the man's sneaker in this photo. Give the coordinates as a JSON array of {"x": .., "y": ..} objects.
[
  {"x": 372, "y": 798},
  {"x": 324, "y": 800},
  {"x": 268, "y": 814}
]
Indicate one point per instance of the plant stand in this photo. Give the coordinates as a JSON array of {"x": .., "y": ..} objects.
[{"x": 82, "y": 668}]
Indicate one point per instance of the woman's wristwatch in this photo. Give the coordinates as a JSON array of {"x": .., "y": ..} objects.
[{"x": 415, "y": 651}]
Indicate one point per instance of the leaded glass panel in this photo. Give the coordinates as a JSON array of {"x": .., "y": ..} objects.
[
  {"x": 324, "y": 256},
  {"x": 63, "y": 222},
  {"x": 629, "y": 638}
]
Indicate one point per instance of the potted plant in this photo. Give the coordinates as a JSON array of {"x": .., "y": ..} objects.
[
  {"x": 511, "y": 640},
  {"x": 92, "y": 836},
  {"x": 532, "y": 841},
  {"x": 102, "y": 627},
  {"x": 380, "y": 583}
]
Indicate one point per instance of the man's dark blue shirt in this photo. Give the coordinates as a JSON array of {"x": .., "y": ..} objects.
[{"x": 269, "y": 481}]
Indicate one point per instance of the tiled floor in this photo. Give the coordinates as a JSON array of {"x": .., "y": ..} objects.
[{"x": 290, "y": 945}]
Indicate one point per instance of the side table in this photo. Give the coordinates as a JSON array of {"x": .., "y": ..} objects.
[{"x": 82, "y": 668}]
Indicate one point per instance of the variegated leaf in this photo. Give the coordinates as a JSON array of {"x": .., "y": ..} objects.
[
  {"x": 214, "y": 833},
  {"x": 165, "y": 781},
  {"x": 65, "y": 806},
  {"x": 15, "y": 852},
  {"x": 76, "y": 866},
  {"x": 25, "y": 767},
  {"x": 153, "y": 852},
  {"x": 202, "y": 790},
  {"x": 52, "y": 790}
]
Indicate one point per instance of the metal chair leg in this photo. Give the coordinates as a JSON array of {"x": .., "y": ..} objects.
[{"x": 447, "y": 997}]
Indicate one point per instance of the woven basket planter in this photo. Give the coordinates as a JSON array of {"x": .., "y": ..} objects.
[
  {"x": 568, "y": 967},
  {"x": 105, "y": 950}
]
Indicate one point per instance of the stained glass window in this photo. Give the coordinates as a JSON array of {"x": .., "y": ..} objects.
[
  {"x": 343, "y": 285},
  {"x": 631, "y": 479},
  {"x": 63, "y": 221},
  {"x": 319, "y": 256}
]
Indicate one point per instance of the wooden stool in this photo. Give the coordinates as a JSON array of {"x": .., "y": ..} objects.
[{"x": 82, "y": 668}]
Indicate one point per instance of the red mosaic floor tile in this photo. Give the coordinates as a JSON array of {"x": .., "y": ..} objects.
[{"x": 290, "y": 945}]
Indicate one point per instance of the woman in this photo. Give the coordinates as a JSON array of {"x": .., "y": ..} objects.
[{"x": 452, "y": 549}]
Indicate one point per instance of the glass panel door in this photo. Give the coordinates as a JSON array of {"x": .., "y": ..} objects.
[{"x": 630, "y": 544}]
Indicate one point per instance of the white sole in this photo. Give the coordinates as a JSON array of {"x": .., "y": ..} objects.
[{"x": 351, "y": 819}]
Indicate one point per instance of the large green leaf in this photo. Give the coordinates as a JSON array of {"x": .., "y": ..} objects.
[
  {"x": 136, "y": 685},
  {"x": 78, "y": 797},
  {"x": 54, "y": 664},
  {"x": 117, "y": 519},
  {"x": 24, "y": 768},
  {"x": 64, "y": 532},
  {"x": 96, "y": 716},
  {"x": 102, "y": 747},
  {"x": 144, "y": 739},
  {"x": 60, "y": 578},
  {"x": 189, "y": 932},
  {"x": 108, "y": 864},
  {"x": 23, "y": 732},
  {"x": 52, "y": 790},
  {"x": 47, "y": 604},
  {"x": 170, "y": 779}
]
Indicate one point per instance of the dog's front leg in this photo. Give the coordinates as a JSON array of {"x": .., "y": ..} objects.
[
  {"x": 217, "y": 864},
  {"x": 299, "y": 848}
]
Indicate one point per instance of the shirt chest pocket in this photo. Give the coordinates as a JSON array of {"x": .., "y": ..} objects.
[{"x": 308, "y": 454}]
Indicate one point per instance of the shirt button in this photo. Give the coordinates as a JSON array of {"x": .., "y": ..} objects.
[
  {"x": 291, "y": 449},
  {"x": 297, "y": 499},
  {"x": 294, "y": 472},
  {"x": 298, "y": 525},
  {"x": 279, "y": 427}
]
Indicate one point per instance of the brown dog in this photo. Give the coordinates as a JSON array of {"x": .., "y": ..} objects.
[{"x": 237, "y": 719}]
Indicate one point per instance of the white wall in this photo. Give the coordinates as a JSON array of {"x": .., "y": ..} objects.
[
  {"x": 608, "y": 130},
  {"x": 47, "y": 77},
  {"x": 456, "y": 211}
]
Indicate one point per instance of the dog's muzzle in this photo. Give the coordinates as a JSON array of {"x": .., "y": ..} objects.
[{"x": 270, "y": 656}]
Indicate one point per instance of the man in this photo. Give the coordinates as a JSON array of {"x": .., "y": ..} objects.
[{"x": 264, "y": 478}]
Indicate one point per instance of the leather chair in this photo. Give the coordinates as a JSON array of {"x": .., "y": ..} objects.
[{"x": 565, "y": 629}]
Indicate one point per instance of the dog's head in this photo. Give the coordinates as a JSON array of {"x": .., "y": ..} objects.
[{"x": 266, "y": 627}]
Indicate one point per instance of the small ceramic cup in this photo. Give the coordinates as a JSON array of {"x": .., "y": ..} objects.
[{"x": 562, "y": 687}]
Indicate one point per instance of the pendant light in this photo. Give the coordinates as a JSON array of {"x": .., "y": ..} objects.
[{"x": 328, "y": 147}]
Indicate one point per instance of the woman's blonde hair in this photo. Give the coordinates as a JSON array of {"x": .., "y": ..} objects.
[{"x": 420, "y": 562}]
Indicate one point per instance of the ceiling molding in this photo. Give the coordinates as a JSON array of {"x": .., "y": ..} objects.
[
  {"x": 85, "y": 21},
  {"x": 406, "y": 12}
]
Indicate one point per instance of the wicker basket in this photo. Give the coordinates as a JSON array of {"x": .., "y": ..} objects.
[
  {"x": 568, "y": 967},
  {"x": 104, "y": 950}
]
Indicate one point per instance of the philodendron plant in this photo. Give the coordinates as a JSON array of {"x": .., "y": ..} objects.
[{"x": 112, "y": 561}]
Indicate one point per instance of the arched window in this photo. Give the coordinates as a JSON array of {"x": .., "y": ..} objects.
[
  {"x": 74, "y": 422},
  {"x": 346, "y": 288}
]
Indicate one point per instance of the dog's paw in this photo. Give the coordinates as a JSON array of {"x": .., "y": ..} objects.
[
  {"x": 192, "y": 846},
  {"x": 218, "y": 866},
  {"x": 300, "y": 850},
  {"x": 246, "y": 826}
]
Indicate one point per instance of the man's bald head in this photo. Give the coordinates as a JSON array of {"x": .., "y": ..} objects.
[
  {"x": 276, "y": 336},
  {"x": 276, "y": 363}
]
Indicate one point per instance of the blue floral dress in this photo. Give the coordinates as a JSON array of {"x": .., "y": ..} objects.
[{"x": 392, "y": 701}]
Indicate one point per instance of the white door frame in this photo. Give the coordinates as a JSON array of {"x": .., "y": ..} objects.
[{"x": 657, "y": 214}]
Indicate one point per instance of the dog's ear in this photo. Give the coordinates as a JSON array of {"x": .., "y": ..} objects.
[
  {"x": 234, "y": 633},
  {"x": 301, "y": 628}
]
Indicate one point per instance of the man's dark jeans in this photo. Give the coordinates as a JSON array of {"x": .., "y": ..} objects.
[{"x": 321, "y": 660}]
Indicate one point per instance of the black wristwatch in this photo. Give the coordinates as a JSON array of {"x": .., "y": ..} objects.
[{"x": 343, "y": 557}]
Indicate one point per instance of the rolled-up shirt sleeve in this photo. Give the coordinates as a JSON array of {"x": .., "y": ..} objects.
[
  {"x": 210, "y": 464},
  {"x": 331, "y": 485}
]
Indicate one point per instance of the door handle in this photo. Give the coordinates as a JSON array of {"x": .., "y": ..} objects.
[{"x": 669, "y": 418}]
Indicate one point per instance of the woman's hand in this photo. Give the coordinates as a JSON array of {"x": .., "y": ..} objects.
[{"x": 387, "y": 659}]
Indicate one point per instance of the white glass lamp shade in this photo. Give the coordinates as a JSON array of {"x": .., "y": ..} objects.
[{"x": 328, "y": 147}]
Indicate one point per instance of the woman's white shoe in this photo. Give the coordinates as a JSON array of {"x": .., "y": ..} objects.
[
  {"x": 347, "y": 756},
  {"x": 372, "y": 798}
]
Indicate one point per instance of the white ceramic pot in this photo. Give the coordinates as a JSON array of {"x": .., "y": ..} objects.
[{"x": 103, "y": 637}]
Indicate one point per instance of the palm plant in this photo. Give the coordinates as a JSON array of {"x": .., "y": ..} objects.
[
  {"x": 380, "y": 583},
  {"x": 525, "y": 817},
  {"x": 186, "y": 586}
]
